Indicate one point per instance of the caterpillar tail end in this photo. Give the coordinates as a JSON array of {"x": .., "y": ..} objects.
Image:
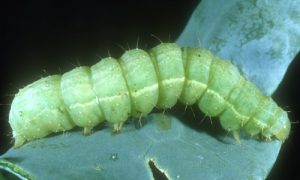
[{"x": 283, "y": 133}]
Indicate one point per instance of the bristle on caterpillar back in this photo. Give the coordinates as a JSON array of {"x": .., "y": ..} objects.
[{"x": 112, "y": 90}]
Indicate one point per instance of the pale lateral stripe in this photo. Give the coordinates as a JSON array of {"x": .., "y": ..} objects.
[
  {"x": 82, "y": 105},
  {"x": 138, "y": 93},
  {"x": 240, "y": 116},
  {"x": 145, "y": 90},
  {"x": 230, "y": 105},
  {"x": 172, "y": 81},
  {"x": 197, "y": 83},
  {"x": 155, "y": 86}
]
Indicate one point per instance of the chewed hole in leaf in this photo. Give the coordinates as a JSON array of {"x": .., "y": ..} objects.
[{"x": 157, "y": 173}]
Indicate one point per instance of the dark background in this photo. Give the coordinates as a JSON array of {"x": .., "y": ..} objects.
[{"x": 47, "y": 37}]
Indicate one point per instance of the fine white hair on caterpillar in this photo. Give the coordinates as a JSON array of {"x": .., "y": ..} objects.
[{"x": 114, "y": 89}]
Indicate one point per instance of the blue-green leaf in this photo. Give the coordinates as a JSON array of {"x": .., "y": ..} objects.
[{"x": 260, "y": 36}]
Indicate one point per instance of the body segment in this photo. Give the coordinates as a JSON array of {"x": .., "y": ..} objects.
[
  {"x": 139, "y": 71},
  {"x": 80, "y": 99}
]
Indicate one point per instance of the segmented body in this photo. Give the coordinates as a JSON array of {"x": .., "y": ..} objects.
[{"x": 113, "y": 90}]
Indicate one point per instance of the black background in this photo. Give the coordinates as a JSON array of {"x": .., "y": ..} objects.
[{"x": 47, "y": 37}]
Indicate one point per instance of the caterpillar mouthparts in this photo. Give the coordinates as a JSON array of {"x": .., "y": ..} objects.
[{"x": 113, "y": 90}]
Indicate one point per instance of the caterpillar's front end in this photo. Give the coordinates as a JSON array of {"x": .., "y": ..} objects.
[{"x": 38, "y": 110}]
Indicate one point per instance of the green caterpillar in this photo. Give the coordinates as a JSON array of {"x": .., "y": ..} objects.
[{"x": 113, "y": 90}]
